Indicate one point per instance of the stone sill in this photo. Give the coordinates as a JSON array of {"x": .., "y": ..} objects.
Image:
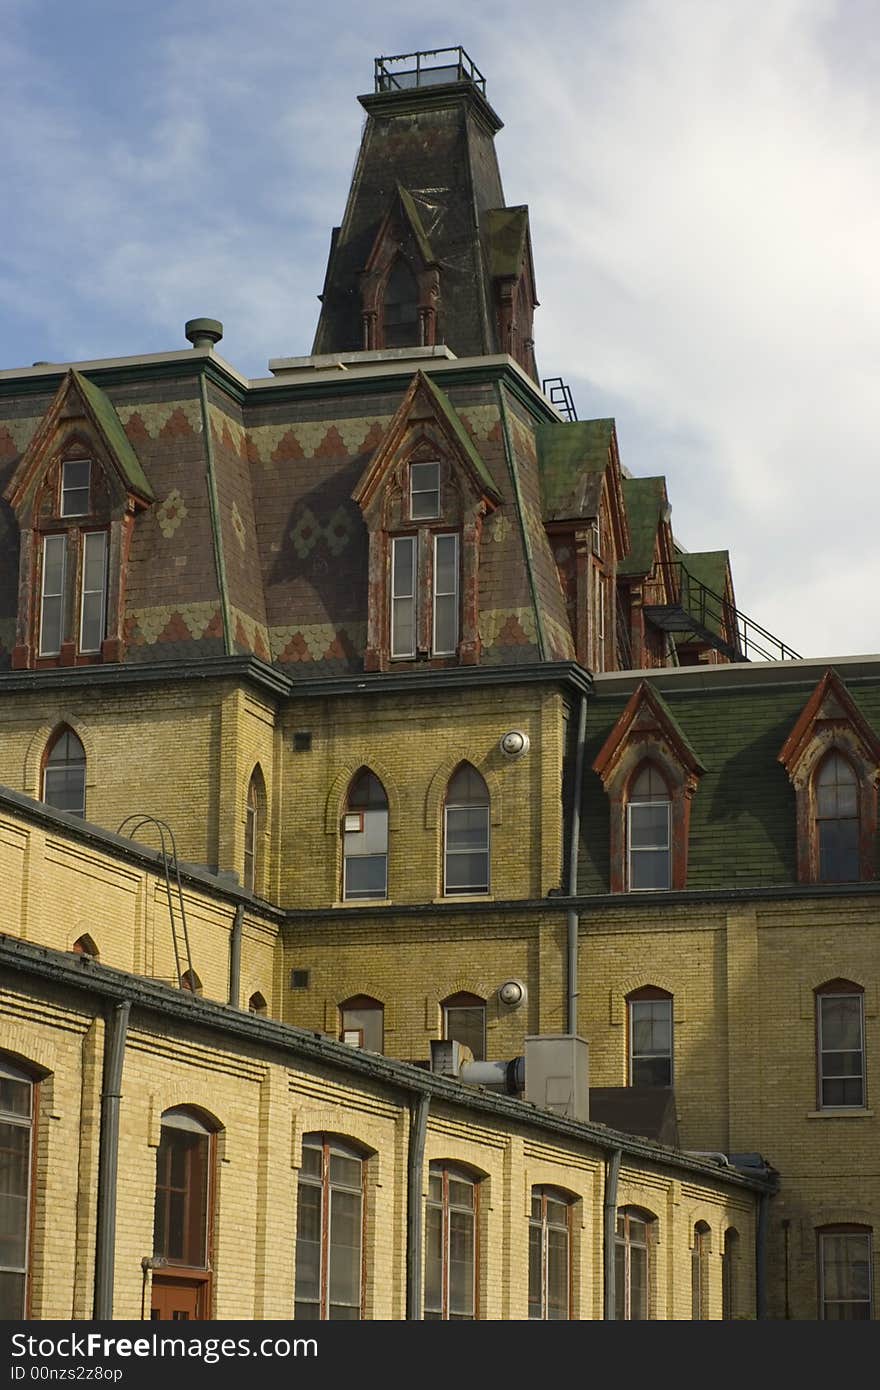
[{"x": 841, "y": 1113}]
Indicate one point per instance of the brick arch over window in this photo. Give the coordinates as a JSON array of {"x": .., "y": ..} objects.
[
  {"x": 36, "y": 752},
  {"x": 831, "y": 723},
  {"x": 435, "y": 797},
  {"x": 337, "y": 796},
  {"x": 648, "y": 734}
]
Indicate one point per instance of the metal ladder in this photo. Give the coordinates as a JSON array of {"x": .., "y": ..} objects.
[
  {"x": 179, "y": 937},
  {"x": 559, "y": 395}
]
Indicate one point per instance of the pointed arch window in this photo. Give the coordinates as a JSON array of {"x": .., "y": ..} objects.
[
  {"x": 64, "y": 773},
  {"x": 466, "y": 833},
  {"x": 649, "y": 806},
  {"x": 330, "y": 1230},
  {"x": 17, "y": 1110},
  {"x": 85, "y": 946},
  {"x": 254, "y": 828},
  {"x": 365, "y": 839},
  {"x": 837, "y": 819},
  {"x": 190, "y": 981},
  {"x": 257, "y": 1004},
  {"x": 400, "y": 307}
]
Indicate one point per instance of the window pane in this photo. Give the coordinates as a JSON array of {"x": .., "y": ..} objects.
[
  {"x": 308, "y": 1245},
  {"x": 467, "y": 873},
  {"x": 52, "y": 608},
  {"x": 15, "y": 1096},
  {"x": 649, "y": 826},
  {"x": 536, "y": 1309},
  {"x": 11, "y": 1296},
  {"x": 846, "y": 1275},
  {"x": 346, "y": 1171},
  {"x": 638, "y": 1275},
  {"x": 652, "y": 1071},
  {"x": 649, "y": 868},
  {"x": 445, "y": 624},
  {"x": 467, "y": 827},
  {"x": 345, "y": 1246},
  {"x": 424, "y": 490},
  {"x": 75, "y": 488},
  {"x": 557, "y": 1274},
  {"x": 838, "y": 851},
  {"x": 94, "y": 591},
  {"x": 365, "y": 876},
  {"x": 65, "y": 789},
  {"x": 467, "y": 1026},
  {"x": 403, "y": 596},
  {"x": 14, "y": 1191},
  {"x": 461, "y": 1264},
  {"x": 434, "y": 1257},
  {"x": 620, "y": 1309}
]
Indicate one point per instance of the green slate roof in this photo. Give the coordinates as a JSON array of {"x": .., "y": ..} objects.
[
  {"x": 451, "y": 415},
  {"x": 645, "y": 499},
  {"x": 572, "y": 459},
  {"x": 111, "y": 425},
  {"x": 709, "y": 567},
  {"x": 507, "y": 228},
  {"x": 412, "y": 213}
]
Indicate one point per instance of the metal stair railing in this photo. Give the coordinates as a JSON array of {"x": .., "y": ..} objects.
[{"x": 715, "y": 618}]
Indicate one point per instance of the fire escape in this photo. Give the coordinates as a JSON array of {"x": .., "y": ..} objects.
[{"x": 691, "y": 607}]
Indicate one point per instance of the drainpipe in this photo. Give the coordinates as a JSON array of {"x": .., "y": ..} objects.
[
  {"x": 235, "y": 956},
  {"x": 115, "y": 1031},
  {"x": 612, "y": 1172},
  {"x": 574, "y": 845},
  {"x": 418, "y": 1125},
  {"x": 786, "y": 1229},
  {"x": 761, "y": 1257}
]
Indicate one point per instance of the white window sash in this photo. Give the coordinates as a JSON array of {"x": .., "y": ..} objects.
[
  {"x": 831, "y": 1052},
  {"x": 59, "y": 545},
  {"x": 450, "y": 539},
  {"x": 91, "y": 597},
  {"x": 399, "y": 546},
  {"x": 650, "y": 849}
]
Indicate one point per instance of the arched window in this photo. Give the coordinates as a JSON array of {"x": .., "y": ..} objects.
[
  {"x": 189, "y": 980},
  {"x": 329, "y": 1230},
  {"x": 648, "y": 823},
  {"x": 650, "y": 1037},
  {"x": 85, "y": 946},
  {"x": 17, "y": 1110},
  {"x": 254, "y": 826},
  {"x": 362, "y": 1023},
  {"x": 257, "y": 1004},
  {"x": 464, "y": 1021},
  {"x": 549, "y": 1254},
  {"x": 840, "y": 1045},
  {"x": 451, "y": 1244},
  {"x": 64, "y": 773},
  {"x": 181, "y": 1223},
  {"x": 632, "y": 1265},
  {"x": 700, "y": 1272},
  {"x": 401, "y": 307},
  {"x": 365, "y": 839},
  {"x": 845, "y": 1274},
  {"x": 837, "y": 820},
  {"x": 466, "y": 833},
  {"x": 729, "y": 1262}
]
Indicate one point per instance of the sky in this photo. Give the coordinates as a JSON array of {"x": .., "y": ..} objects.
[{"x": 704, "y": 203}]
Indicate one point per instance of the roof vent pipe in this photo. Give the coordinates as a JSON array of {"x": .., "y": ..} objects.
[
  {"x": 203, "y": 333},
  {"x": 509, "y": 1077}
]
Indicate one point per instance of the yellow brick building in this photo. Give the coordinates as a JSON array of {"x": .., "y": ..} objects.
[{"x": 365, "y": 732}]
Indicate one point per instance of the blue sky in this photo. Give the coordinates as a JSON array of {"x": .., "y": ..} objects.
[{"x": 701, "y": 177}]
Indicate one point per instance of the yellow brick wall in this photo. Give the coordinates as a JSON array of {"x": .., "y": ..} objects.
[{"x": 262, "y": 1104}]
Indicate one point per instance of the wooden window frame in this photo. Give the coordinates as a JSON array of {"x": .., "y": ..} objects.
[
  {"x": 468, "y": 891},
  {"x": 840, "y": 989},
  {"x": 51, "y": 744},
  {"x": 554, "y": 1194},
  {"x": 361, "y": 1003},
  {"x": 447, "y": 1169},
  {"x": 22, "y": 1072},
  {"x": 198, "y": 1274},
  {"x": 463, "y": 1000},
  {"x": 835, "y": 1232},
  {"x": 360, "y": 813},
  {"x": 75, "y": 462},
  {"x": 327, "y": 1143},
  {"x": 625, "y": 1243},
  {"x": 648, "y": 764},
  {"x": 649, "y": 994}
]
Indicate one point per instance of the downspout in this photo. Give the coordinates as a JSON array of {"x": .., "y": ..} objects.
[
  {"x": 418, "y": 1125},
  {"x": 115, "y": 1031},
  {"x": 235, "y": 956},
  {"x": 214, "y": 506},
  {"x": 574, "y": 845},
  {"x": 612, "y": 1172},
  {"x": 761, "y": 1257}
]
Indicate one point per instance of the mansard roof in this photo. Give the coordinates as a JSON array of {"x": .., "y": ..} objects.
[{"x": 647, "y": 508}]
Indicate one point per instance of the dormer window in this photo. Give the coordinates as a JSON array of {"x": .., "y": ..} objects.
[
  {"x": 445, "y": 635},
  {"x": 403, "y": 596},
  {"x": 424, "y": 490},
  {"x": 401, "y": 307},
  {"x": 93, "y": 606},
  {"x": 75, "y": 489}
]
